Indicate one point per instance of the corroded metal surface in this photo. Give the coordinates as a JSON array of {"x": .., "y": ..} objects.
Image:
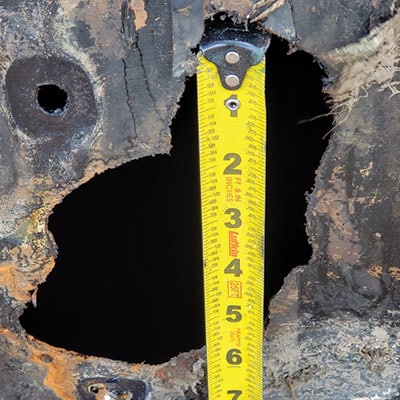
[
  {"x": 122, "y": 65},
  {"x": 123, "y": 71}
]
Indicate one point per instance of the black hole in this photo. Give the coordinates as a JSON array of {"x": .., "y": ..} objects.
[
  {"x": 93, "y": 389},
  {"x": 52, "y": 99},
  {"x": 233, "y": 104},
  {"x": 298, "y": 126},
  {"x": 128, "y": 279}
]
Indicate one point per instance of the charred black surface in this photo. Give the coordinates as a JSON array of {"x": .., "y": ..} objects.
[
  {"x": 142, "y": 222},
  {"x": 128, "y": 278},
  {"x": 121, "y": 88},
  {"x": 355, "y": 266},
  {"x": 52, "y": 101},
  {"x": 322, "y": 26},
  {"x": 137, "y": 67},
  {"x": 25, "y": 82}
]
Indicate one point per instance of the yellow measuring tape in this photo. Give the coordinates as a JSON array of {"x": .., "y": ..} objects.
[{"x": 232, "y": 137}]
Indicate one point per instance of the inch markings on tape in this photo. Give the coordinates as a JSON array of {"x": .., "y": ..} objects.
[{"x": 232, "y": 142}]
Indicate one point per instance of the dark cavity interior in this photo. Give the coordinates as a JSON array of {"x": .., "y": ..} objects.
[
  {"x": 128, "y": 278},
  {"x": 52, "y": 99}
]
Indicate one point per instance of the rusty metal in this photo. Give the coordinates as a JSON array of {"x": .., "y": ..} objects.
[{"x": 123, "y": 65}]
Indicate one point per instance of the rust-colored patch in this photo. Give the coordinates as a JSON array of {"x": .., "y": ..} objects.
[
  {"x": 9, "y": 280},
  {"x": 17, "y": 284},
  {"x": 138, "y": 8},
  {"x": 375, "y": 271},
  {"x": 394, "y": 272},
  {"x": 58, "y": 365}
]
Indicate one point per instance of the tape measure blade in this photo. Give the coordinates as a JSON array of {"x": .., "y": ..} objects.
[{"x": 232, "y": 173}]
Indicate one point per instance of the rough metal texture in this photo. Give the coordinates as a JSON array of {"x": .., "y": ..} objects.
[
  {"x": 332, "y": 331},
  {"x": 343, "y": 357},
  {"x": 122, "y": 65},
  {"x": 353, "y": 211}
]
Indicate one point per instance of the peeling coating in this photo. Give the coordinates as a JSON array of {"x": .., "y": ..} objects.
[
  {"x": 366, "y": 171},
  {"x": 343, "y": 238},
  {"x": 21, "y": 284},
  {"x": 374, "y": 59},
  {"x": 376, "y": 271},
  {"x": 394, "y": 272},
  {"x": 138, "y": 8},
  {"x": 332, "y": 275}
]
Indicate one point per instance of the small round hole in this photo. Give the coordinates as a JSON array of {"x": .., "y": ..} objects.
[
  {"x": 232, "y": 104},
  {"x": 93, "y": 389},
  {"x": 52, "y": 99}
]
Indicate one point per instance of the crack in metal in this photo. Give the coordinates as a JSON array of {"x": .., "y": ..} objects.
[
  {"x": 131, "y": 38},
  {"x": 146, "y": 81},
  {"x": 127, "y": 30},
  {"x": 128, "y": 102}
]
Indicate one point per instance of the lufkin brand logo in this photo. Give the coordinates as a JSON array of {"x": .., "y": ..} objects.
[{"x": 233, "y": 243}]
